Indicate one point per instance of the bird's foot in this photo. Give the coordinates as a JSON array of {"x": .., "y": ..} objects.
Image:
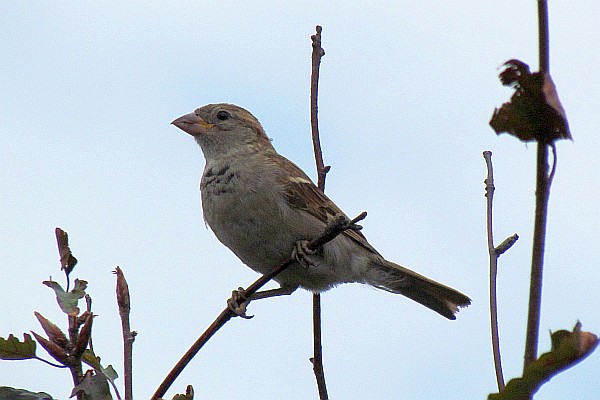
[
  {"x": 239, "y": 302},
  {"x": 304, "y": 255}
]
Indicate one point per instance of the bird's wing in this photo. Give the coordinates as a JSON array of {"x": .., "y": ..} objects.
[{"x": 301, "y": 193}]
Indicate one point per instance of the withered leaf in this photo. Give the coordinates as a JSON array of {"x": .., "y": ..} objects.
[
  {"x": 67, "y": 260},
  {"x": 534, "y": 112}
]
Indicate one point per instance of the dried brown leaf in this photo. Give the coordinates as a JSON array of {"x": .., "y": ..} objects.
[
  {"x": 67, "y": 260},
  {"x": 534, "y": 112}
]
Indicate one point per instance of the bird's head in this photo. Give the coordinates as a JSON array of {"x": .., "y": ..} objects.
[{"x": 222, "y": 129}]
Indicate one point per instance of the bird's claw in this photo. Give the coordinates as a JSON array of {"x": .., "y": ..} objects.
[
  {"x": 239, "y": 302},
  {"x": 304, "y": 255}
]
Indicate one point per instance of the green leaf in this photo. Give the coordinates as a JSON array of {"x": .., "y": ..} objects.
[
  {"x": 8, "y": 393},
  {"x": 68, "y": 300},
  {"x": 94, "y": 361},
  {"x": 94, "y": 386},
  {"x": 189, "y": 394},
  {"x": 568, "y": 348},
  {"x": 12, "y": 349}
]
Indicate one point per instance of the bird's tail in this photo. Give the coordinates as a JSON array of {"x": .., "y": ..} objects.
[{"x": 396, "y": 279}]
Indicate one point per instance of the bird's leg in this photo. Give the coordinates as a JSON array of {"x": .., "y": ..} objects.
[
  {"x": 239, "y": 301},
  {"x": 305, "y": 255}
]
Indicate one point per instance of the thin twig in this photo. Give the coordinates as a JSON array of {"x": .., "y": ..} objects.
[
  {"x": 88, "y": 306},
  {"x": 537, "y": 256},
  {"x": 554, "y": 161},
  {"x": 50, "y": 362},
  {"x": 123, "y": 300},
  {"x": 506, "y": 244},
  {"x": 68, "y": 262},
  {"x": 543, "y": 36},
  {"x": 334, "y": 228},
  {"x": 489, "y": 194},
  {"x": 77, "y": 375},
  {"x": 541, "y": 207},
  {"x": 317, "y": 54},
  {"x": 75, "y": 367}
]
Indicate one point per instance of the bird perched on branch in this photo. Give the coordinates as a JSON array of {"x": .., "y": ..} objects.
[{"x": 263, "y": 207}]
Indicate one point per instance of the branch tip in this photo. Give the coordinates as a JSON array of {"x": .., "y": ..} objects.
[{"x": 506, "y": 244}]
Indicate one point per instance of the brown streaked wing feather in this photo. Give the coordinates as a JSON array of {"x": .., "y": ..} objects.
[{"x": 303, "y": 194}]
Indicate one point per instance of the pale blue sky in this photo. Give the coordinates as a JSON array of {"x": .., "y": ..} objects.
[{"x": 87, "y": 95}]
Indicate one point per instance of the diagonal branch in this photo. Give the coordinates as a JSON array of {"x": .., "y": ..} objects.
[{"x": 334, "y": 228}]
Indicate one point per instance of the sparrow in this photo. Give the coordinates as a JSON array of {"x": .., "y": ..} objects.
[{"x": 263, "y": 208}]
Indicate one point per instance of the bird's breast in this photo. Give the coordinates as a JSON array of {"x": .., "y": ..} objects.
[
  {"x": 244, "y": 211},
  {"x": 217, "y": 180}
]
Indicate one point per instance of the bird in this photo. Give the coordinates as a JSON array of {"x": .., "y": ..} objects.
[{"x": 264, "y": 208}]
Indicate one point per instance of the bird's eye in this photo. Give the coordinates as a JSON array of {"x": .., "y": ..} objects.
[{"x": 223, "y": 116}]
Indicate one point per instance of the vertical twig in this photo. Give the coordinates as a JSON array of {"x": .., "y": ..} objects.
[
  {"x": 67, "y": 263},
  {"x": 75, "y": 366},
  {"x": 489, "y": 194},
  {"x": 123, "y": 300},
  {"x": 541, "y": 207},
  {"x": 543, "y": 36},
  {"x": 317, "y": 54}
]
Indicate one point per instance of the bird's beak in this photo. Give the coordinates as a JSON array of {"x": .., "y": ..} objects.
[{"x": 192, "y": 124}]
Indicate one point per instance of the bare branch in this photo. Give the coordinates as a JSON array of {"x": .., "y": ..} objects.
[
  {"x": 506, "y": 244},
  {"x": 489, "y": 194},
  {"x": 333, "y": 229},
  {"x": 123, "y": 301},
  {"x": 317, "y": 54}
]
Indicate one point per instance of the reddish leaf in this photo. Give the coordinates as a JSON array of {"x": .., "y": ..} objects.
[
  {"x": 57, "y": 352},
  {"x": 54, "y": 333},
  {"x": 84, "y": 336},
  {"x": 122, "y": 291}
]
